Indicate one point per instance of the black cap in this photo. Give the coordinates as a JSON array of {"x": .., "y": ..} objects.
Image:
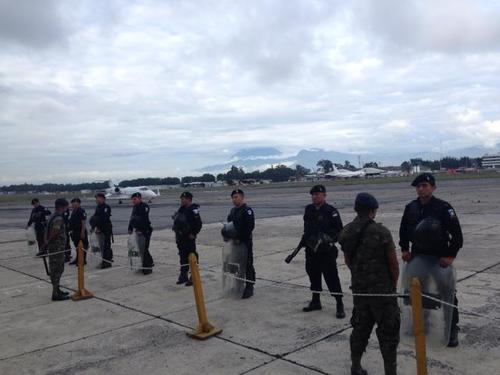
[
  {"x": 136, "y": 195},
  {"x": 61, "y": 202},
  {"x": 365, "y": 202},
  {"x": 424, "y": 177},
  {"x": 100, "y": 195},
  {"x": 187, "y": 195},
  {"x": 35, "y": 200},
  {"x": 237, "y": 191},
  {"x": 317, "y": 189},
  {"x": 76, "y": 199}
]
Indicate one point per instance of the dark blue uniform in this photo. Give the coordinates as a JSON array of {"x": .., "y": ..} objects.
[
  {"x": 187, "y": 225},
  {"x": 67, "y": 255},
  {"x": 139, "y": 221},
  {"x": 75, "y": 228},
  {"x": 432, "y": 229},
  {"x": 322, "y": 227},
  {"x": 101, "y": 220},
  {"x": 243, "y": 219},
  {"x": 38, "y": 217}
]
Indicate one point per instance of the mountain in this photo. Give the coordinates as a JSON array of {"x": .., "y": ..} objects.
[{"x": 260, "y": 158}]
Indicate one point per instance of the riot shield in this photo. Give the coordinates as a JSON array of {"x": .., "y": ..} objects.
[
  {"x": 94, "y": 256},
  {"x": 438, "y": 283},
  {"x": 32, "y": 244},
  {"x": 135, "y": 245},
  {"x": 234, "y": 263}
]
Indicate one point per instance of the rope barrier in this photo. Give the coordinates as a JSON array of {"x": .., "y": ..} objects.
[{"x": 266, "y": 282}]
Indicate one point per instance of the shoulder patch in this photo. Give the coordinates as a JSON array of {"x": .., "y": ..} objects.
[
  {"x": 335, "y": 213},
  {"x": 249, "y": 212},
  {"x": 452, "y": 213},
  {"x": 196, "y": 211}
]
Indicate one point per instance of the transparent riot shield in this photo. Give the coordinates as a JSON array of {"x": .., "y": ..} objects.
[
  {"x": 136, "y": 243},
  {"x": 437, "y": 283},
  {"x": 94, "y": 256},
  {"x": 32, "y": 244},
  {"x": 234, "y": 263}
]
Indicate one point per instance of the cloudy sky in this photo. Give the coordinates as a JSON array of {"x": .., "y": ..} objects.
[{"x": 97, "y": 89}]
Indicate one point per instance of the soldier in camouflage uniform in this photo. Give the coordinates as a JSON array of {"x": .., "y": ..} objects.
[
  {"x": 55, "y": 242},
  {"x": 370, "y": 253}
]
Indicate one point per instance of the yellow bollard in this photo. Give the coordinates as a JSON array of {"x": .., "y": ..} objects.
[
  {"x": 418, "y": 326},
  {"x": 82, "y": 293},
  {"x": 204, "y": 329}
]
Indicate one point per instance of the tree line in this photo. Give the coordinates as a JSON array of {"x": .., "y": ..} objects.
[
  {"x": 447, "y": 162},
  {"x": 278, "y": 173}
]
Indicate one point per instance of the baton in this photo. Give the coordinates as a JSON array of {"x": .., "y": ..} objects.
[{"x": 45, "y": 264}]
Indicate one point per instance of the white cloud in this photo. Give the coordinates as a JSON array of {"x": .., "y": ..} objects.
[{"x": 95, "y": 88}]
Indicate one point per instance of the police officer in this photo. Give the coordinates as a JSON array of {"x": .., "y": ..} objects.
[
  {"x": 67, "y": 255},
  {"x": 443, "y": 241},
  {"x": 100, "y": 222},
  {"x": 187, "y": 225},
  {"x": 38, "y": 217},
  {"x": 139, "y": 221},
  {"x": 55, "y": 243},
  {"x": 370, "y": 254},
  {"x": 322, "y": 225},
  {"x": 78, "y": 228},
  {"x": 243, "y": 219}
]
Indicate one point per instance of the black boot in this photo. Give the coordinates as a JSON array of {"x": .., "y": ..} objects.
[
  {"x": 58, "y": 296},
  {"x": 340, "y": 309},
  {"x": 453, "y": 342},
  {"x": 63, "y": 292},
  {"x": 315, "y": 304},
  {"x": 248, "y": 292},
  {"x": 183, "y": 278},
  {"x": 189, "y": 282},
  {"x": 358, "y": 371},
  {"x": 105, "y": 264},
  {"x": 147, "y": 271}
]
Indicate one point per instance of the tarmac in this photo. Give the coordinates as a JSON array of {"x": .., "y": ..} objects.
[{"x": 138, "y": 324}]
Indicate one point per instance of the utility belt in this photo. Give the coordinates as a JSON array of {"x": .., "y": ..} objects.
[{"x": 320, "y": 244}]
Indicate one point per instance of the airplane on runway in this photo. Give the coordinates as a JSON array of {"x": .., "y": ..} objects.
[
  {"x": 115, "y": 192},
  {"x": 344, "y": 173}
]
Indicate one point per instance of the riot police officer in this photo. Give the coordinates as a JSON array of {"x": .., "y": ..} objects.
[
  {"x": 78, "y": 228},
  {"x": 187, "y": 225},
  {"x": 243, "y": 219},
  {"x": 38, "y": 217},
  {"x": 67, "y": 255},
  {"x": 431, "y": 226},
  {"x": 100, "y": 222},
  {"x": 322, "y": 225},
  {"x": 139, "y": 221},
  {"x": 370, "y": 254}
]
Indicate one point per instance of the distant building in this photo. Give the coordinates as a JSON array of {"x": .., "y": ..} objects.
[{"x": 491, "y": 161}]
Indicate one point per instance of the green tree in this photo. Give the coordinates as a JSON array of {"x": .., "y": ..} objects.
[
  {"x": 370, "y": 164},
  {"x": 327, "y": 165},
  {"x": 301, "y": 171},
  {"x": 406, "y": 166}
]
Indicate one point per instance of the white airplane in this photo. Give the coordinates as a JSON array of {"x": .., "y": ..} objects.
[
  {"x": 344, "y": 173},
  {"x": 115, "y": 192}
]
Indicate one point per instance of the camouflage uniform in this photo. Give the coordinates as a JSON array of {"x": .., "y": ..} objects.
[
  {"x": 56, "y": 245},
  {"x": 366, "y": 243}
]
